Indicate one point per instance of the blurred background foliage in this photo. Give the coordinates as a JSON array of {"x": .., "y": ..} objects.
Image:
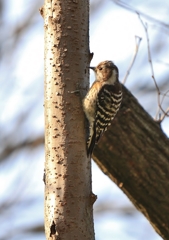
[{"x": 113, "y": 27}]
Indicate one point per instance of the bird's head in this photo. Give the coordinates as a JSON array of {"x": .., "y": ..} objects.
[{"x": 106, "y": 72}]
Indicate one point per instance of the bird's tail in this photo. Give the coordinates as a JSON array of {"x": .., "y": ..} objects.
[
  {"x": 91, "y": 144},
  {"x": 92, "y": 140}
]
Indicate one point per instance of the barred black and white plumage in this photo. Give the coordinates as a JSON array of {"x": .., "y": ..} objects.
[{"x": 102, "y": 101}]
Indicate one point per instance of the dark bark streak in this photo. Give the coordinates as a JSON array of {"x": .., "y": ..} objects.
[
  {"x": 134, "y": 153},
  {"x": 52, "y": 229}
]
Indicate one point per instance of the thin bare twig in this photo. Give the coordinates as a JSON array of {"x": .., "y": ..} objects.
[
  {"x": 137, "y": 40},
  {"x": 153, "y": 76},
  {"x": 164, "y": 115},
  {"x": 167, "y": 110},
  {"x": 148, "y": 17}
]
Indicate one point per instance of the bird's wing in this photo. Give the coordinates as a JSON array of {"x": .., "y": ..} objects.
[{"x": 107, "y": 105}]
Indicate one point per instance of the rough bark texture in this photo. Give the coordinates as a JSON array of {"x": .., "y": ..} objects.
[
  {"x": 68, "y": 200},
  {"x": 134, "y": 153}
]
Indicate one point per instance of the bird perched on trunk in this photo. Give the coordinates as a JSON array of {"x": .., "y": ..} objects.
[{"x": 102, "y": 101}]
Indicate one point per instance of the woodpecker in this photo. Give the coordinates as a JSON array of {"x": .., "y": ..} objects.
[{"x": 102, "y": 101}]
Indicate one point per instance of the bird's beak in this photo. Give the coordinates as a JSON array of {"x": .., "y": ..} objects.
[{"x": 93, "y": 68}]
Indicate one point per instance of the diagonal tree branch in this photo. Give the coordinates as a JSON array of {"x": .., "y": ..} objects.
[{"x": 134, "y": 153}]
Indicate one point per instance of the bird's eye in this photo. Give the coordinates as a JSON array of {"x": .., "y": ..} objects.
[{"x": 100, "y": 68}]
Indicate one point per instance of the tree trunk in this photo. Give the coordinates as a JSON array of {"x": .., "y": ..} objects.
[
  {"x": 134, "y": 153},
  {"x": 68, "y": 200}
]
